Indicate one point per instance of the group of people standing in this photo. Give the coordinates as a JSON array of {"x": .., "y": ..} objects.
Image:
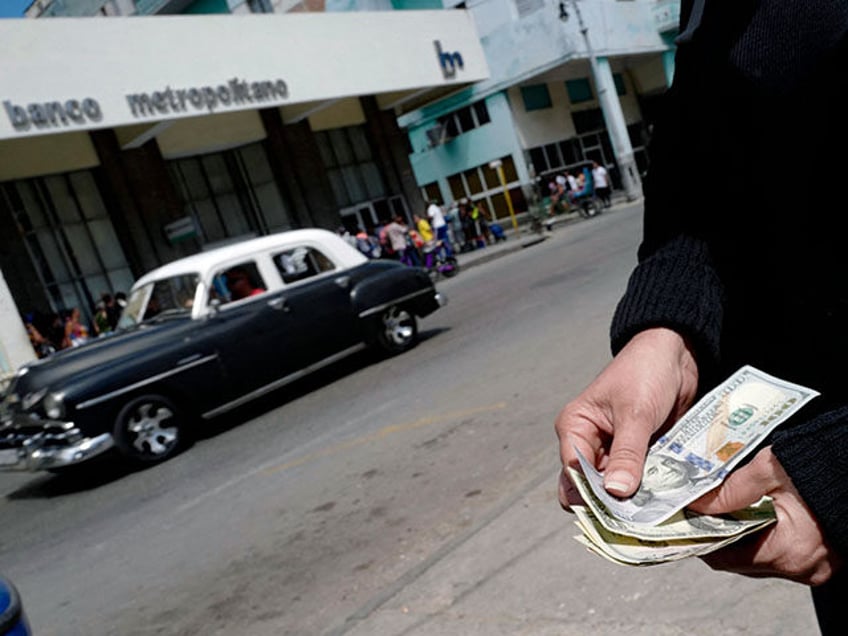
[
  {"x": 52, "y": 332},
  {"x": 566, "y": 188},
  {"x": 464, "y": 226}
]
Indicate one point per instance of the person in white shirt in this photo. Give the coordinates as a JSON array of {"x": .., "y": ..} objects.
[
  {"x": 602, "y": 184},
  {"x": 439, "y": 225}
]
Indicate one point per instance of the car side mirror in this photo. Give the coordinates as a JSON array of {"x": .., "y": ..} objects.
[{"x": 214, "y": 307}]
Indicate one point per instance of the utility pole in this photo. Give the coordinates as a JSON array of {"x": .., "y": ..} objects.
[{"x": 611, "y": 109}]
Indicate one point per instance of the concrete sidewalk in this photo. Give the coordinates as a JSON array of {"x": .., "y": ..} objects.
[
  {"x": 524, "y": 237},
  {"x": 493, "y": 581}
]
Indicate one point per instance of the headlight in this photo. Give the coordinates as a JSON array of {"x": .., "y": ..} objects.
[
  {"x": 31, "y": 399},
  {"x": 54, "y": 406}
]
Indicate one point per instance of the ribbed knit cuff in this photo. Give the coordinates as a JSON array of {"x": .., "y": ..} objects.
[
  {"x": 815, "y": 455},
  {"x": 676, "y": 287}
]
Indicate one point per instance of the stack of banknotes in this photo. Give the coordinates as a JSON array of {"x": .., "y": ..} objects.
[{"x": 692, "y": 458}]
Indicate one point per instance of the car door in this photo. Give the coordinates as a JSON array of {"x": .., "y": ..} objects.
[
  {"x": 251, "y": 329},
  {"x": 317, "y": 302}
]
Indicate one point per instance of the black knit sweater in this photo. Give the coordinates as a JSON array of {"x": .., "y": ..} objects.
[{"x": 744, "y": 250}]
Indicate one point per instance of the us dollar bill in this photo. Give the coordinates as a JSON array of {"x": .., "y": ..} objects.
[
  {"x": 698, "y": 452},
  {"x": 631, "y": 551},
  {"x": 684, "y": 524}
]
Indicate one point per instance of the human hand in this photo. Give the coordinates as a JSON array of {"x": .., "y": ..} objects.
[
  {"x": 651, "y": 382},
  {"x": 794, "y": 548}
]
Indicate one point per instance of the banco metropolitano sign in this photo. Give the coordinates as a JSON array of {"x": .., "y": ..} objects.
[{"x": 83, "y": 113}]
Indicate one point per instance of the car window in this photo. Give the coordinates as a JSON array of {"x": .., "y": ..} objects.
[
  {"x": 237, "y": 282},
  {"x": 301, "y": 263},
  {"x": 166, "y": 297}
]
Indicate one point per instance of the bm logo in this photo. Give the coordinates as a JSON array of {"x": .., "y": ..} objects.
[{"x": 448, "y": 61}]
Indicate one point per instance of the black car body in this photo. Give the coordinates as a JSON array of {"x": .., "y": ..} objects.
[{"x": 189, "y": 347}]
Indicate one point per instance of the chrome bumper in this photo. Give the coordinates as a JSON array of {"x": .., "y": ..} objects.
[{"x": 35, "y": 454}]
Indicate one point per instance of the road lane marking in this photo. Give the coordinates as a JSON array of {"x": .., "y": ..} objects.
[{"x": 385, "y": 432}]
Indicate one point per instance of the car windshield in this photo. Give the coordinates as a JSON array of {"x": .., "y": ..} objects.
[{"x": 167, "y": 297}]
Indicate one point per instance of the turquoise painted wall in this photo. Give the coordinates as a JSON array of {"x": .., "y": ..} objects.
[
  {"x": 402, "y": 5},
  {"x": 480, "y": 145},
  {"x": 207, "y": 6}
]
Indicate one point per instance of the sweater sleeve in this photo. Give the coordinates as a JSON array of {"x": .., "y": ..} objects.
[
  {"x": 675, "y": 287},
  {"x": 815, "y": 455}
]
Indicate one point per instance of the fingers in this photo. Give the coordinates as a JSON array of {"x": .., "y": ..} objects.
[
  {"x": 568, "y": 494},
  {"x": 576, "y": 428}
]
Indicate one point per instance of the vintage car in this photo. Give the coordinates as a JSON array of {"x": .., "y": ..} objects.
[{"x": 203, "y": 335}]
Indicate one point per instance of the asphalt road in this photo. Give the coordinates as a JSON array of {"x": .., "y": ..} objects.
[{"x": 414, "y": 495}]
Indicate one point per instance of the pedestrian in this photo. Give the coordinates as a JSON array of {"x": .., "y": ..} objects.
[
  {"x": 748, "y": 281},
  {"x": 101, "y": 318},
  {"x": 468, "y": 229},
  {"x": 600, "y": 176},
  {"x": 571, "y": 180},
  {"x": 76, "y": 333},
  {"x": 456, "y": 237},
  {"x": 397, "y": 234},
  {"x": 40, "y": 343},
  {"x": 424, "y": 230},
  {"x": 113, "y": 310},
  {"x": 367, "y": 244},
  {"x": 439, "y": 225}
]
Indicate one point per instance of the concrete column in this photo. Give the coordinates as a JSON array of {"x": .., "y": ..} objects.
[
  {"x": 282, "y": 165},
  {"x": 293, "y": 149},
  {"x": 15, "y": 348},
  {"x": 391, "y": 150},
  {"x": 616, "y": 126}
]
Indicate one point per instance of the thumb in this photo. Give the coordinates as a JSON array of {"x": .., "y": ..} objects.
[
  {"x": 738, "y": 491},
  {"x": 626, "y": 460},
  {"x": 744, "y": 486}
]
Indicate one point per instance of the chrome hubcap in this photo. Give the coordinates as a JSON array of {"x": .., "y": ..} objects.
[
  {"x": 397, "y": 324},
  {"x": 150, "y": 435}
]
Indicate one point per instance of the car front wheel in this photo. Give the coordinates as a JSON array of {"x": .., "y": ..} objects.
[
  {"x": 397, "y": 330},
  {"x": 149, "y": 429}
]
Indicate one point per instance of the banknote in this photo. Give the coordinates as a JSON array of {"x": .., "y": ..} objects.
[
  {"x": 684, "y": 524},
  {"x": 632, "y": 551},
  {"x": 701, "y": 448}
]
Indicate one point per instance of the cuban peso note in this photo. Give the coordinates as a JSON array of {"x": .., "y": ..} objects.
[{"x": 698, "y": 452}]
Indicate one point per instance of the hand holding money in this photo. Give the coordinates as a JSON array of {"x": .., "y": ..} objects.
[
  {"x": 612, "y": 421},
  {"x": 692, "y": 458}
]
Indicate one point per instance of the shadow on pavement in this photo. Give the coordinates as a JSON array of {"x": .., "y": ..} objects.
[{"x": 110, "y": 466}]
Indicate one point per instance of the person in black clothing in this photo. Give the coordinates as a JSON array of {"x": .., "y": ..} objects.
[{"x": 738, "y": 277}]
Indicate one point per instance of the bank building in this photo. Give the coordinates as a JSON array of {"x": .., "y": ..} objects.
[{"x": 134, "y": 132}]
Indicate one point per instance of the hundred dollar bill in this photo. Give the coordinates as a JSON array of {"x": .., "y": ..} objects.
[
  {"x": 631, "y": 551},
  {"x": 698, "y": 452},
  {"x": 684, "y": 524}
]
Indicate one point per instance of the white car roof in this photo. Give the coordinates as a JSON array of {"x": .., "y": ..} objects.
[{"x": 334, "y": 245}]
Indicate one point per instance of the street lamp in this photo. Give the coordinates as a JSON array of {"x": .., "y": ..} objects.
[{"x": 610, "y": 109}]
